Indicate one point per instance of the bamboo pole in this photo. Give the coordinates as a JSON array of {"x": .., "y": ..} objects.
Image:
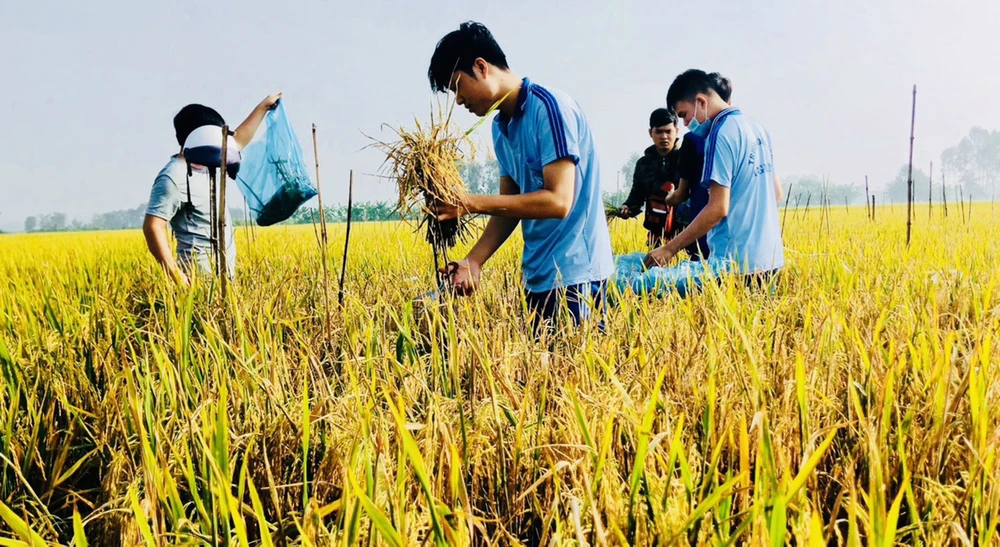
[
  {"x": 930, "y": 192},
  {"x": 223, "y": 258},
  {"x": 869, "y": 212},
  {"x": 944, "y": 194},
  {"x": 213, "y": 219},
  {"x": 788, "y": 198},
  {"x": 873, "y": 207},
  {"x": 961, "y": 202},
  {"x": 909, "y": 177},
  {"x": 322, "y": 240},
  {"x": 347, "y": 239}
]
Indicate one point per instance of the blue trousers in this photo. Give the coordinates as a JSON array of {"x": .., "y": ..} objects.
[{"x": 581, "y": 301}]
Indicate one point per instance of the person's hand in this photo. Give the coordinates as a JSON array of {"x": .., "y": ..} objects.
[
  {"x": 446, "y": 211},
  {"x": 625, "y": 212},
  {"x": 178, "y": 276},
  {"x": 270, "y": 101},
  {"x": 661, "y": 256},
  {"x": 463, "y": 276},
  {"x": 673, "y": 199}
]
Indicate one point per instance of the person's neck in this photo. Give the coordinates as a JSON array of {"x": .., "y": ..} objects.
[
  {"x": 510, "y": 89},
  {"x": 662, "y": 153},
  {"x": 716, "y": 107}
]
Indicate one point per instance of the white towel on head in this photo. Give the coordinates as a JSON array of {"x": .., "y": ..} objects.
[{"x": 204, "y": 147}]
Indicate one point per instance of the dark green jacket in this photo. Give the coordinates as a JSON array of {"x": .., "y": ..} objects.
[{"x": 651, "y": 171}]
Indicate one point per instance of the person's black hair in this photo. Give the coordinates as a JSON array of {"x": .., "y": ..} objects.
[
  {"x": 692, "y": 82},
  {"x": 192, "y": 117},
  {"x": 721, "y": 85},
  {"x": 661, "y": 117},
  {"x": 459, "y": 49}
]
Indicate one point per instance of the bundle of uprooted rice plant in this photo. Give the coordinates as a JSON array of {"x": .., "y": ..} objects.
[
  {"x": 424, "y": 162},
  {"x": 612, "y": 211}
]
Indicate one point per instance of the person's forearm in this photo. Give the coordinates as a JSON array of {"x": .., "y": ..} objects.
[
  {"x": 159, "y": 247},
  {"x": 635, "y": 199},
  {"x": 540, "y": 204},
  {"x": 245, "y": 132},
  {"x": 679, "y": 195},
  {"x": 498, "y": 229},
  {"x": 707, "y": 219}
]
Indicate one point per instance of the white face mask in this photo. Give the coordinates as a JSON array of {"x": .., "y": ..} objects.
[{"x": 694, "y": 123}]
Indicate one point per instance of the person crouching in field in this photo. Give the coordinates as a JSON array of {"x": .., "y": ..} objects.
[
  {"x": 687, "y": 199},
  {"x": 180, "y": 197},
  {"x": 549, "y": 179},
  {"x": 741, "y": 216}
]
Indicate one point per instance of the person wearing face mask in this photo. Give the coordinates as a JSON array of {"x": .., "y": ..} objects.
[
  {"x": 654, "y": 177},
  {"x": 689, "y": 199},
  {"x": 741, "y": 218},
  {"x": 549, "y": 180}
]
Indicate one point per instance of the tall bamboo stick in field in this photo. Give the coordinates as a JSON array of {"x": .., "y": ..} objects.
[
  {"x": 322, "y": 240},
  {"x": 829, "y": 205},
  {"x": 909, "y": 177},
  {"x": 930, "y": 192},
  {"x": 944, "y": 194},
  {"x": 873, "y": 207},
  {"x": 347, "y": 239},
  {"x": 867, "y": 199},
  {"x": 809, "y": 197},
  {"x": 961, "y": 202},
  {"x": 787, "y": 199},
  {"x": 223, "y": 258},
  {"x": 213, "y": 214}
]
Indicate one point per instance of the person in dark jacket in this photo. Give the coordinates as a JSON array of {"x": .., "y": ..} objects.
[{"x": 655, "y": 176}]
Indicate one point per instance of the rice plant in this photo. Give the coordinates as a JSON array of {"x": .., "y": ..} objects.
[{"x": 857, "y": 406}]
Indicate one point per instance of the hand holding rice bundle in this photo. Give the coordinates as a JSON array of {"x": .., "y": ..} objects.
[{"x": 425, "y": 162}]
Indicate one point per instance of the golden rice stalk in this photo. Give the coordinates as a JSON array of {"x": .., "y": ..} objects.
[{"x": 425, "y": 162}]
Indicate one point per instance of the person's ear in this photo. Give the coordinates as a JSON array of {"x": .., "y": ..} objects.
[{"x": 480, "y": 68}]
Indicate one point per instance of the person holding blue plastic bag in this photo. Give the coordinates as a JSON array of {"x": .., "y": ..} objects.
[
  {"x": 741, "y": 217},
  {"x": 180, "y": 193}
]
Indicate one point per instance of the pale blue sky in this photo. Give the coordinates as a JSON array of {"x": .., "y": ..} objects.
[{"x": 89, "y": 88}]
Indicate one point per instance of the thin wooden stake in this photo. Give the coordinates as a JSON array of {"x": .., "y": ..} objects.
[
  {"x": 788, "y": 197},
  {"x": 873, "y": 207},
  {"x": 909, "y": 178},
  {"x": 869, "y": 213},
  {"x": 223, "y": 258},
  {"x": 347, "y": 239},
  {"x": 961, "y": 202},
  {"x": 930, "y": 192},
  {"x": 213, "y": 219},
  {"x": 322, "y": 241},
  {"x": 944, "y": 194}
]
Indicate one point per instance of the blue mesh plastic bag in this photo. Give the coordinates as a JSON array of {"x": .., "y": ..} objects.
[
  {"x": 685, "y": 277},
  {"x": 273, "y": 177}
]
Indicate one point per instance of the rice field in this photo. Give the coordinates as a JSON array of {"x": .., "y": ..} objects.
[{"x": 858, "y": 406}]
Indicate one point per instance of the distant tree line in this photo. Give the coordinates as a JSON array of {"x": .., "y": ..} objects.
[{"x": 969, "y": 170}]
